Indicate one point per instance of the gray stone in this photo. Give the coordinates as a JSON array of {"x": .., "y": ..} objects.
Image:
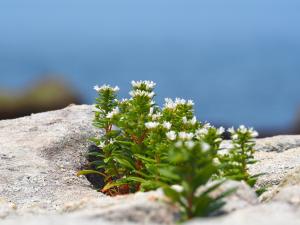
[
  {"x": 40, "y": 155},
  {"x": 265, "y": 214},
  {"x": 275, "y": 166},
  {"x": 243, "y": 197},
  {"x": 278, "y": 143},
  {"x": 6, "y": 208},
  {"x": 287, "y": 191}
]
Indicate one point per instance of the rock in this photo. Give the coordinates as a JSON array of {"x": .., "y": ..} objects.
[
  {"x": 275, "y": 165},
  {"x": 43, "y": 95},
  {"x": 265, "y": 214},
  {"x": 242, "y": 198},
  {"x": 6, "y": 208},
  {"x": 287, "y": 191},
  {"x": 278, "y": 143},
  {"x": 41, "y": 154},
  {"x": 139, "y": 208}
]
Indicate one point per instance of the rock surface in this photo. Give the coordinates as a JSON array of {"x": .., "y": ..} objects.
[{"x": 40, "y": 155}]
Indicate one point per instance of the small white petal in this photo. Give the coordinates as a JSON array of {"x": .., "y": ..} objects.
[
  {"x": 178, "y": 144},
  {"x": 171, "y": 135},
  {"x": 151, "y": 125},
  {"x": 220, "y": 131},
  {"x": 167, "y": 125},
  {"x": 189, "y": 144},
  {"x": 205, "y": 147}
]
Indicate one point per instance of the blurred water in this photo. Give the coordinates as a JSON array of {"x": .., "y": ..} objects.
[{"x": 238, "y": 61}]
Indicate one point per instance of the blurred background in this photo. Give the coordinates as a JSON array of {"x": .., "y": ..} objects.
[{"x": 238, "y": 60}]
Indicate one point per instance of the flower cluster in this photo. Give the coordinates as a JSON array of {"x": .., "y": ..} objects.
[
  {"x": 114, "y": 112},
  {"x": 192, "y": 121},
  {"x": 146, "y": 146},
  {"x": 240, "y": 155},
  {"x": 141, "y": 93},
  {"x": 146, "y": 85},
  {"x": 170, "y": 104},
  {"x": 105, "y": 88},
  {"x": 151, "y": 125},
  {"x": 243, "y": 131}
]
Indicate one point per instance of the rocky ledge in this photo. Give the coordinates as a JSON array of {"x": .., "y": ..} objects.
[{"x": 40, "y": 155}]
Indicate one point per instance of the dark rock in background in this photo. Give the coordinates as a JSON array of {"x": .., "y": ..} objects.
[{"x": 44, "y": 95}]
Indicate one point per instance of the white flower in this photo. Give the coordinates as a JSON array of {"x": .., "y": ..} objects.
[
  {"x": 205, "y": 147},
  {"x": 180, "y": 101},
  {"x": 136, "y": 93},
  {"x": 243, "y": 129},
  {"x": 124, "y": 100},
  {"x": 116, "y": 88},
  {"x": 190, "y": 102},
  {"x": 147, "y": 83},
  {"x": 189, "y": 144},
  {"x": 167, "y": 125},
  {"x": 111, "y": 141},
  {"x": 178, "y": 144},
  {"x": 201, "y": 132},
  {"x": 114, "y": 112},
  {"x": 207, "y": 125},
  {"x": 218, "y": 140},
  {"x": 106, "y": 87},
  {"x": 235, "y": 137},
  {"x": 101, "y": 145},
  {"x": 171, "y": 135},
  {"x": 231, "y": 130},
  {"x": 177, "y": 188},
  {"x": 151, "y": 125},
  {"x": 97, "y": 88},
  {"x": 151, "y": 111},
  {"x": 185, "y": 136},
  {"x": 193, "y": 120},
  {"x": 189, "y": 136},
  {"x": 156, "y": 116},
  {"x": 182, "y": 135},
  {"x": 253, "y": 133},
  {"x": 169, "y": 104},
  {"x": 220, "y": 131}
]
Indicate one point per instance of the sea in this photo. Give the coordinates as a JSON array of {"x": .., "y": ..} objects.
[{"x": 238, "y": 60}]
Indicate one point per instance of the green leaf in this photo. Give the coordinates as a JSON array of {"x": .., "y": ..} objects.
[
  {"x": 125, "y": 163},
  {"x": 136, "y": 179},
  {"x": 145, "y": 158},
  {"x": 113, "y": 184},
  {"x": 169, "y": 174}
]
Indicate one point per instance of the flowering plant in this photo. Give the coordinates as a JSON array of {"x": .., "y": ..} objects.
[
  {"x": 145, "y": 147},
  {"x": 239, "y": 156}
]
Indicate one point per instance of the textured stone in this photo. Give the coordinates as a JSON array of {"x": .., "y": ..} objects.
[
  {"x": 242, "y": 198},
  {"x": 275, "y": 166},
  {"x": 265, "y": 214},
  {"x": 6, "y": 208},
  {"x": 40, "y": 155},
  {"x": 278, "y": 143}
]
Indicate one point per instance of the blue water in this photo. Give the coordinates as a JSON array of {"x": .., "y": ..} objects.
[{"x": 239, "y": 61}]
